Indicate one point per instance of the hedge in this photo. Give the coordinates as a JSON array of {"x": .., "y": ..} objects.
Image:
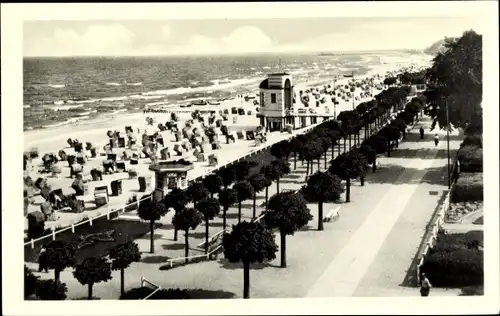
[
  {"x": 471, "y": 158},
  {"x": 456, "y": 261},
  {"x": 469, "y": 187},
  {"x": 472, "y": 140},
  {"x": 140, "y": 293}
]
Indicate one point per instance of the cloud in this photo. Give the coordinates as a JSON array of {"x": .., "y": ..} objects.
[{"x": 102, "y": 39}]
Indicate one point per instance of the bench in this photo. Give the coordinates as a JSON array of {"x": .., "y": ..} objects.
[{"x": 334, "y": 213}]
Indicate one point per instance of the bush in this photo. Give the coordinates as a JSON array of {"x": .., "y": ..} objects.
[
  {"x": 473, "y": 140},
  {"x": 461, "y": 267},
  {"x": 174, "y": 294},
  {"x": 50, "y": 290},
  {"x": 471, "y": 158},
  {"x": 469, "y": 187},
  {"x": 472, "y": 290},
  {"x": 36, "y": 224}
]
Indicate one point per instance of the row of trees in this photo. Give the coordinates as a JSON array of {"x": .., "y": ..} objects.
[
  {"x": 251, "y": 242},
  {"x": 59, "y": 255},
  {"x": 232, "y": 185},
  {"x": 455, "y": 81}
]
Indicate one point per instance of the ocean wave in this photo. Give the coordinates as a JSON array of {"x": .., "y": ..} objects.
[
  {"x": 144, "y": 97},
  {"x": 134, "y": 84},
  {"x": 26, "y": 106},
  {"x": 115, "y": 84},
  {"x": 217, "y": 86},
  {"x": 56, "y": 86},
  {"x": 68, "y": 121},
  {"x": 66, "y": 107}
]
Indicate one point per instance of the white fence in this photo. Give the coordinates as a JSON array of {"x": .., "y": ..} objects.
[
  {"x": 89, "y": 221},
  {"x": 431, "y": 234}
]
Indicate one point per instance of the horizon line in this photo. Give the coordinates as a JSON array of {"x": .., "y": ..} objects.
[{"x": 232, "y": 54}]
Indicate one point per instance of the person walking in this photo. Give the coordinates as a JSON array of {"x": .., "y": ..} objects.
[
  {"x": 421, "y": 132},
  {"x": 425, "y": 285},
  {"x": 436, "y": 139}
]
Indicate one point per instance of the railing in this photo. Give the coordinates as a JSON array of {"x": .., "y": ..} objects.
[
  {"x": 158, "y": 287},
  {"x": 431, "y": 234},
  {"x": 89, "y": 221}
]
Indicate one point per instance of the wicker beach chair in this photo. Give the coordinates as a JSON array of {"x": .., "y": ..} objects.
[
  {"x": 212, "y": 160},
  {"x": 108, "y": 166},
  {"x": 164, "y": 153},
  {"x": 96, "y": 174},
  {"x": 116, "y": 187},
  {"x": 101, "y": 195}
]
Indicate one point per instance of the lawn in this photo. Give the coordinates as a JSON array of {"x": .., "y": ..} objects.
[{"x": 124, "y": 230}]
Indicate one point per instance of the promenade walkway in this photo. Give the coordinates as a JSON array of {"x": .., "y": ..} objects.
[{"x": 366, "y": 252}]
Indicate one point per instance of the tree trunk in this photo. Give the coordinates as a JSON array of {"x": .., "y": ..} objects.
[
  {"x": 333, "y": 152},
  {"x": 350, "y": 142},
  {"x": 278, "y": 186},
  {"x": 186, "y": 245},
  {"x": 397, "y": 143},
  {"x": 90, "y": 285},
  {"x": 152, "y": 237},
  {"x": 312, "y": 166},
  {"x": 239, "y": 212},
  {"x": 207, "y": 223},
  {"x": 57, "y": 274},
  {"x": 254, "y": 203},
  {"x": 294, "y": 161},
  {"x": 320, "y": 215},
  {"x": 348, "y": 191},
  {"x": 175, "y": 229},
  {"x": 362, "y": 179},
  {"x": 224, "y": 212},
  {"x": 267, "y": 195},
  {"x": 319, "y": 161},
  {"x": 283, "y": 248},
  {"x": 122, "y": 277},
  {"x": 404, "y": 133},
  {"x": 338, "y": 149},
  {"x": 388, "y": 148},
  {"x": 345, "y": 145},
  {"x": 374, "y": 165},
  {"x": 246, "y": 279},
  {"x": 326, "y": 153}
]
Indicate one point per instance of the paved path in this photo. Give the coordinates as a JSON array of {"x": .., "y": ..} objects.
[{"x": 375, "y": 260}]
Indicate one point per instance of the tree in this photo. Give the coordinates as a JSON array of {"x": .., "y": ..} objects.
[
  {"x": 312, "y": 149},
  {"x": 323, "y": 187},
  {"x": 249, "y": 243},
  {"x": 121, "y": 257},
  {"x": 378, "y": 143},
  {"x": 280, "y": 168},
  {"x": 456, "y": 75},
  {"x": 281, "y": 150},
  {"x": 241, "y": 170},
  {"x": 50, "y": 290},
  {"x": 91, "y": 271},
  {"x": 400, "y": 124},
  {"x": 209, "y": 207},
  {"x": 296, "y": 145},
  {"x": 287, "y": 212},
  {"x": 185, "y": 220},
  {"x": 151, "y": 211},
  {"x": 197, "y": 191},
  {"x": 227, "y": 198},
  {"x": 370, "y": 155},
  {"x": 349, "y": 166},
  {"x": 259, "y": 182},
  {"x": 389, "y": 81},
  {"x": 244, "y": 191},
  {"x": 176, "y": 199},
  {"x": 58, "y": 255},
  {"x": 213, "y": 182},
  {"x": 228, "y": 176},
  {"x": 391, "y": 133}
]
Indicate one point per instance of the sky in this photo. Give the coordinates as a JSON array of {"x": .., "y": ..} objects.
[{"x": 238, "y": 36}]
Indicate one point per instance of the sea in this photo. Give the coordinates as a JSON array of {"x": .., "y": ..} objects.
[{"x": 63, "y": 90}]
